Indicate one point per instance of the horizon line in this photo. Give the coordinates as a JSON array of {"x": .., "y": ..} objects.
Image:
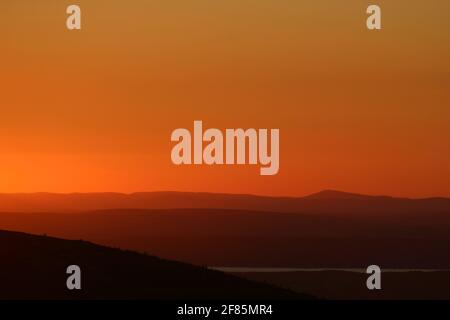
[{"x": 319, "y": 193}]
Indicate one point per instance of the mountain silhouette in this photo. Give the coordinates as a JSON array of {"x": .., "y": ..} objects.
[
  {"x": 328, "y": 201},
  {"x": 326, "y": 229},
  {"x": 334, "y": 194},
  {"x": 223, "y": 237},
  {"x": 34, "y": 267}
]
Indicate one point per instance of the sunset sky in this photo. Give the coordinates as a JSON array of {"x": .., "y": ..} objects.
[{"x": 93, "y": 110}]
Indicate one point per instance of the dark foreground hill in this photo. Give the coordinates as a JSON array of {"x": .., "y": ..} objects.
[{"x": 34, "y": 267}]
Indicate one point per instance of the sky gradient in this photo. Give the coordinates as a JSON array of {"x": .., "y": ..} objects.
[{"x": 93, "y": 110}]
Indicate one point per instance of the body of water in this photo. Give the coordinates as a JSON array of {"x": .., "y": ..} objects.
[{"x": 250, "y": 269}]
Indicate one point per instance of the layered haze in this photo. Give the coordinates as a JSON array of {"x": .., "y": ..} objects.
[{"x": 329, "y": 229}]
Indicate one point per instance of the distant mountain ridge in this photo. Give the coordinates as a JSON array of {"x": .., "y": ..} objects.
[
  {"x": 326, "y": 229},
  {"x": 334, "y": 194},
  {"x": 327, "y": 200}
]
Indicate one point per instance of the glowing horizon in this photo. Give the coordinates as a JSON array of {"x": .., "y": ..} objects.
[{"x": 358, "y": 111}]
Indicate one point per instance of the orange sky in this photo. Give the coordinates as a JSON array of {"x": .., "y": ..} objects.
[{"x": 93, "y": 110}]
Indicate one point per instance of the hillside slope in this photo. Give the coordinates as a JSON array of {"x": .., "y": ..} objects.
[{"x": 34, "y": 267}]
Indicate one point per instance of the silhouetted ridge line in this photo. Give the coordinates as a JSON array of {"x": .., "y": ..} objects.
[
  {"x": 34, "y": 267},
  {"x": 326, "y": 201}
]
